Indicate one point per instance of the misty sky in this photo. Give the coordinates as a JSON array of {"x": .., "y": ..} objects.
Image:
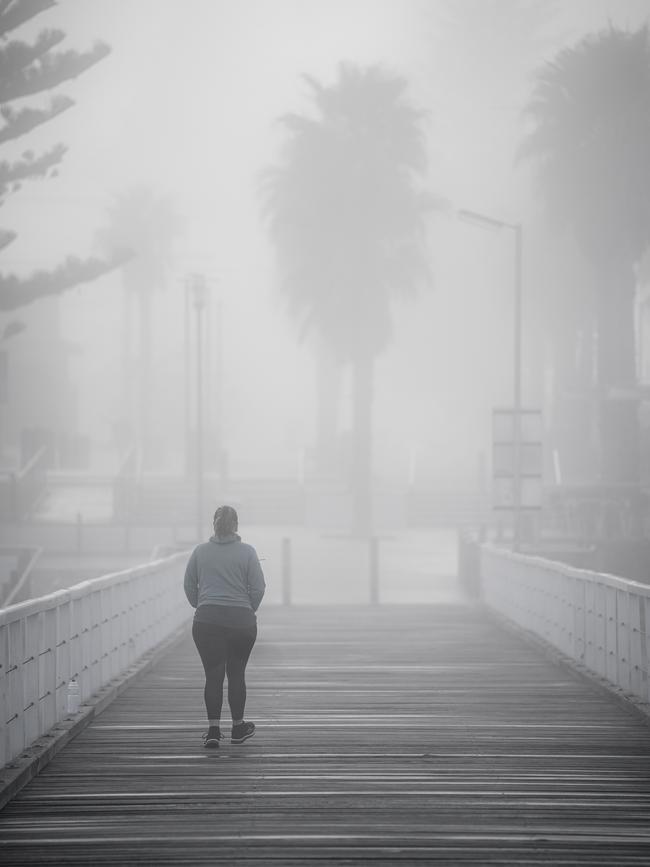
[{"x": 185, "y": 104}]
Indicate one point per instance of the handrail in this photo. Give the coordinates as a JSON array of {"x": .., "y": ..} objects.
[
  {"x": 21, "y": 488},
  {"x": 92, "y": 632},
  {"x": 33, "y": 555},
  {"x": 31, "y": 463},
  {"x": 573, "y": 571},
  {"x": 601, "y": 621}
]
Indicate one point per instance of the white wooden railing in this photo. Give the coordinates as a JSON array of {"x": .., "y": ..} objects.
[
  {"x": 92, "y": 632},
  {"x": 600, "y": 621}
]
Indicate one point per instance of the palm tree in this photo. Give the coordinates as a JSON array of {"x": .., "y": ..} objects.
[
  {"x": 346, "y": 217},
  {"x": 590, "y": 138},
  {"x": 147, "y": 224}
]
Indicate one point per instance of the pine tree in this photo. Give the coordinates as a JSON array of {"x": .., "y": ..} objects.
[{"x": 26, "y": 70}]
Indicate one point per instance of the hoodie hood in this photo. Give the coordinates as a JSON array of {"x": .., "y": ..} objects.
[{"x": 223, "y": 540}]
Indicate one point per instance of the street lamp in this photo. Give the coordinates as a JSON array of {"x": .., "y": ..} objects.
[
  {"x": 485, "y": 222},
  {"x": 199, "y": 291}
]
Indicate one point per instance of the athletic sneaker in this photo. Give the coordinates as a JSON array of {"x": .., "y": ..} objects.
[
  {"x": 242, "y": 732},
  {"x": 212, "y": 737}
]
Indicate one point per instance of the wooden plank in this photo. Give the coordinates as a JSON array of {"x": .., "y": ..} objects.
[{"x": 391, "y": 735}]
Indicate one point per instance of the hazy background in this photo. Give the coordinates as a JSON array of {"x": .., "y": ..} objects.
[{"x": 185, "y": 104}]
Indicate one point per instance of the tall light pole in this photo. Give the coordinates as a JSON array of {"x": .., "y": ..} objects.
[
  {"x": 198, "y": 288},
  {"x": 486, "y": 222}
]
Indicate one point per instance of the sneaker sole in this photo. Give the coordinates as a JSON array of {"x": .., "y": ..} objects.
[
  {"x": 241, "y": 740},
  {"x": 211, "y": 744}
]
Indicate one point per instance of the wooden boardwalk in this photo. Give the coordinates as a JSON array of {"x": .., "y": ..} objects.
[{"x": 393, "y": 735}]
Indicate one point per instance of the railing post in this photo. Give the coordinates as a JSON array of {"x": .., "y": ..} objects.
[
  {"x": 598, "y": 619},
  {"x": 374, "y": 570},
  {"x": 89, "y": 632},
  {"x": 286, "y": 571}
]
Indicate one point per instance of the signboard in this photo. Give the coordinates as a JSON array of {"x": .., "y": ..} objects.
[{"x": 504, "y": 455}]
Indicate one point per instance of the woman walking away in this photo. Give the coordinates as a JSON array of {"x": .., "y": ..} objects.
[{"x": 224, "y": 582}]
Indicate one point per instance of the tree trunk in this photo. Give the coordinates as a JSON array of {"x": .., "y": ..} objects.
[
  {"x": 616, "y": 359},
  {"x": 328, "y": 374},
  {"x": 361, "y": 469}
]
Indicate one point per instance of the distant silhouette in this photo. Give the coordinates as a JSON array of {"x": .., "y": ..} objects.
[
  {"x": 346, "y": 209},
  {"x": 225, "y": 583},
  {"x": 590, "y": 139}
]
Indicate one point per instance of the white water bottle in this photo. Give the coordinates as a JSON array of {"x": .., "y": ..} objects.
[{"x": 74, "y": 696}]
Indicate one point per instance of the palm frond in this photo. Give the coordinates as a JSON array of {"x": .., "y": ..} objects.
[
  {"x": 589, "y": 137},
  {"x": 345, "y": 207}
]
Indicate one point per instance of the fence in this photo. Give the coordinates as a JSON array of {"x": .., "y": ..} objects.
[
  {"x": 20, "y": 490},
  {"x": 92, "y": 632},
  {"x": 598, "y": 620}
]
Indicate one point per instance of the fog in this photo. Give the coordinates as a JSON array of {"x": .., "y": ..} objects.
[
  {"x": 186, "y": 107},
  {"x": 338, "y": 310}
]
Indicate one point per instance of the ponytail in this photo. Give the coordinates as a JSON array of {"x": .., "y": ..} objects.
[{"x": 225, "y": 521}]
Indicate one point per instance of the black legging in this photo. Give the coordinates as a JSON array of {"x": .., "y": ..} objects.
[{"x": 224, "y": 650}]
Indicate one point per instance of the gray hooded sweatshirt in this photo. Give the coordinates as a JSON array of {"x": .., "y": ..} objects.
[{"x": 224, "y": 571}]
